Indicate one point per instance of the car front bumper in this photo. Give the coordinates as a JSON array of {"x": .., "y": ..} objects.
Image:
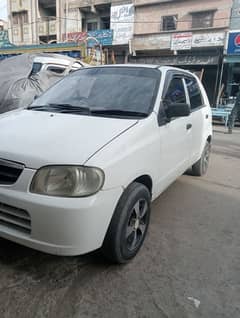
[{"x": 60, "y": 226}]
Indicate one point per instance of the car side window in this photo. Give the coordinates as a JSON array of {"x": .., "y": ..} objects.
[
  {"x": 194, "y": 93},
  {"x": 36, "y": 68},
  {"x": 56, "y": 69},
  {"x": 176, "y": 92}
]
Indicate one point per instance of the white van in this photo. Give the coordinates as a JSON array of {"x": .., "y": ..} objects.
[{"x": 81, "y": 165}]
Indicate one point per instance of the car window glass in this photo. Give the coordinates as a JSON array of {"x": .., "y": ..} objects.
[
  {"x": 176, "y": 92},
  {"x": 128, "y": 88},
  {"x": 36, "y": 68},
  {"x": 56, "y": 69},
  {"x": 194, "y": 93}
]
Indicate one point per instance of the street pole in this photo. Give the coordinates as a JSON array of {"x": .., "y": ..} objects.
[{"x": 66, "y": 17}]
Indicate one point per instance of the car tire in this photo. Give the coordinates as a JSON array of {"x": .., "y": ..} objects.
[
  {"x": 129, "y": 224},
  {"x": 201, "y": 166}
]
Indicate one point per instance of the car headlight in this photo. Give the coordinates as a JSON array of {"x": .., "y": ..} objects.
[{"x": 67, "y": 181}]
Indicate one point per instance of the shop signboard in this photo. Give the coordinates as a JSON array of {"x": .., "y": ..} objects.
[
  {"x": 152, "y": 42},
  {"x": 104, "y": 37},
  {"x": 181, "y": 41},
  {"x": 74, "y": 37},
  {"x": 208, "y": 39},
  {"x": 4, "y": 41},
  {"x": 122, "y": 23},
  {"x": 233, "y": 47}
]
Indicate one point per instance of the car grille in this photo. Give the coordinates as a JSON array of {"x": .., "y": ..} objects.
[
  {"x": 9, "y": 171},
  {"x": 15, "y": 218}
]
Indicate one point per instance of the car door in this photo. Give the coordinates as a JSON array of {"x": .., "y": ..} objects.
[
  {"x": 175, "y": 133},
  {"x": 199, "y": 117}
]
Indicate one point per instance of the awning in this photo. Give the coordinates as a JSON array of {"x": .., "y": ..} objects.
[{"x": 232, "y": 59}]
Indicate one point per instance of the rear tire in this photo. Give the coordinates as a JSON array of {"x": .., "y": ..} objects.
[
  {"x": 129, "y": 224},
  {"x": 201, "y": 166}
]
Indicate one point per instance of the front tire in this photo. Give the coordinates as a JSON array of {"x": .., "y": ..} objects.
[
  {"x": 201, "y": 166},
  {"x": 129, "y": 224}
]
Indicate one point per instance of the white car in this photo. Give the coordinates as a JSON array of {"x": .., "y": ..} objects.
[
  {"x": 80, "y": 166},
  {"x": 56, "y": 63}
]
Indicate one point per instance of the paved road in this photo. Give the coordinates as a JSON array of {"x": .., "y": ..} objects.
[{"x": 191, "y": 255}]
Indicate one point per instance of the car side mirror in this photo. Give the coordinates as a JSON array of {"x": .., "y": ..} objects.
[{"x": 177, "y": 110}]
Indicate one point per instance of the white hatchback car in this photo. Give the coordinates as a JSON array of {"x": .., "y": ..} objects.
[{"x": 80, "y": 166}]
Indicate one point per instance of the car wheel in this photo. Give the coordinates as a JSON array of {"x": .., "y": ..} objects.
[
  {"x": 129, "y": 224},
  {"x": 201, "y": 166}
]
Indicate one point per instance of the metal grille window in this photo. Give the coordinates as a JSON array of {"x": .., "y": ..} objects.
[
  {"x": 92, "y": 26},
  {"x": 202, "y": 19},
  {"x": 169, "y": 22}
]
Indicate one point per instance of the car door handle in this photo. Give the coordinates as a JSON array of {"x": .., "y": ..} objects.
[
  {"x": 207, "y": 116},
  {"x": 189, "y": 126}
]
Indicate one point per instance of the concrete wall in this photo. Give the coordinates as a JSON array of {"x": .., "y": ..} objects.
[
  {"x": 235, "y": 17},
  {"x": 149, "y": 13},
  {"x": 29, "y": 32}
]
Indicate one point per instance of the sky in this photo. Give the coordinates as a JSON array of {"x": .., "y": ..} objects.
[{"x": 3, "y": 9}]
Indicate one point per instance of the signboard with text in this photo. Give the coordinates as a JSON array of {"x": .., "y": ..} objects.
[
  {"x": 104, "y": 37},
  {"x": 208, "y": 39},
  {"x": 4, "y": 41},
  {"x": 122, "y": 23},
  {"x": 181, "y": 41},
  {"x": 233, "y": 47}
]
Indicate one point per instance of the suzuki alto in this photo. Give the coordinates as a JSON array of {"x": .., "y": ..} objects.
[{"x": 81, "y": 165}]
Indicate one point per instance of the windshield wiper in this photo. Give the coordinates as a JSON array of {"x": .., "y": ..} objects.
[
  {"x": 119, "y": 112},
  {"x": 61, "y": 108}
]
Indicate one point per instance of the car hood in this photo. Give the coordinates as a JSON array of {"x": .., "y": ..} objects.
[{"x": 37, "y": 138}]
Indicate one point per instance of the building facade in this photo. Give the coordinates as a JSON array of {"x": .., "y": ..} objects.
[
  {"x": 231, "y": 69},
  {"x": 32, "y": 21},
  {"x": 190, "y": 34},
  {"x": 3, "y": 25}
]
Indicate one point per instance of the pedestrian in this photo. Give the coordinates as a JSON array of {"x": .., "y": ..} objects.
[{"x": 235, "y": 114}]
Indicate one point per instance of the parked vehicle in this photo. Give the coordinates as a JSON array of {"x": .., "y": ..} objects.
[
  {"x": 55, "y": 63},
  {"x": 28, "y": 75},
  {"x": 81, "y": 165}
]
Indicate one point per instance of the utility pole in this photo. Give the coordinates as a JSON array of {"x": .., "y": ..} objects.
[{"x": 66, "y": 17}]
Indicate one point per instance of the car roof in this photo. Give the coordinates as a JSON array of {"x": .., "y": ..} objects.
[
  {"x": 152, "y": 66},
  {"x": 54, "y": 59}
]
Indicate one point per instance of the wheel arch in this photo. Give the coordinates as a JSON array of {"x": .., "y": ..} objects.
[{"x": 146, "y": 180}]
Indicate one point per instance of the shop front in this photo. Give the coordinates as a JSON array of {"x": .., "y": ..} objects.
[
  {"x": 230, "y": 82},
  {"x": 201, "y": 53}
]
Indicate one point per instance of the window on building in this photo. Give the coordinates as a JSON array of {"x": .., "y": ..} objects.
[
  {"x": 1, "y": 27},
  {"x": 202, "y": 19},
  {"x": 20, "y": 17},
  {"x": 25, "y": 16},
  {"x": 169, "y": 22},
  {"x": 15, "y": 19},
  {"x": 105, "y": 23},
  {"x": 194, "y": 93},
  {"x": 92, "y": 26},
  {"x": 176, "y": 91}
]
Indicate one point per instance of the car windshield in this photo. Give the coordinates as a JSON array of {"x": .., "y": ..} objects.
[{"x": 114, "y": 91}]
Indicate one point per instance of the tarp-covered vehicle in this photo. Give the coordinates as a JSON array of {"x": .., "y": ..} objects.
[{"x": 28, "y": 75}]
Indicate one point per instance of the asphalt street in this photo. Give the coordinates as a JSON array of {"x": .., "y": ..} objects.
[{"x": 188, "y": 267}]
